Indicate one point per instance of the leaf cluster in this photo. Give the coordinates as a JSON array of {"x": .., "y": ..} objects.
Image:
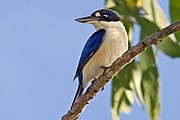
[{"x": 139, "y": 79}]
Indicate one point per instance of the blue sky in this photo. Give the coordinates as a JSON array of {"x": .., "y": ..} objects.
[{"x": 40, "y": 44}]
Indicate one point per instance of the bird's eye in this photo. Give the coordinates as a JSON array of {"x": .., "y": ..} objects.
[{"x": 105, "y": 16}]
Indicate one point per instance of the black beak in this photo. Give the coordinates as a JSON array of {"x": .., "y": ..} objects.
[{"x": 87, "y": 19}]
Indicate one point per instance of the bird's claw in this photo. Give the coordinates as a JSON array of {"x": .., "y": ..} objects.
[
  {"x": 93, "y": 80},
  {"x": 103, "y": 67}
]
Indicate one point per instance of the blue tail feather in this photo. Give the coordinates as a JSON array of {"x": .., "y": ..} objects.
[{"x": 78, "y": 94}]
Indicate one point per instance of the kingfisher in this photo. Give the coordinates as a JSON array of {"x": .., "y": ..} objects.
[{"x": 104, "y": 46}]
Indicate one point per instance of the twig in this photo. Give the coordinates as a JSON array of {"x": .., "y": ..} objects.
[{"x": 118, "y": 64}]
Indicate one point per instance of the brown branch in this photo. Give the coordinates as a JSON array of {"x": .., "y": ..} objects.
[{"x": 118, "y": 64}]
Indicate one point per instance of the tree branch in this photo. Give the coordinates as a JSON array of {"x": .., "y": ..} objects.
[{"x": 118, "y": 64}]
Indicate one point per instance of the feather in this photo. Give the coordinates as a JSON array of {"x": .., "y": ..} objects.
[
  {"x": 79, "y": 91},
  {"x": 90, "y": 48}
]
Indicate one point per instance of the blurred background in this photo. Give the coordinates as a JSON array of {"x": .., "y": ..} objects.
[{"x": 40, "y": 45}]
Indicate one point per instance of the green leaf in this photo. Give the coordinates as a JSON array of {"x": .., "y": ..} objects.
[
  {"x": 170, "y": 47},
  {"x": 154, "y": 13},
  {"x": 137, "y": 80},
  {"x": 150, "y": 84},
  {"x": 142, "y": 78},
  {"x": 174, "y": 12},
  {"x": 150, "y": 89},
  {"x": 122, "y": 95}
]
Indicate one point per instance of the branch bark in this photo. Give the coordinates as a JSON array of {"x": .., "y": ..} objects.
[{"x": 118, "y": 64}]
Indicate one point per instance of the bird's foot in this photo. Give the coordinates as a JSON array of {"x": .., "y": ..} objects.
[
  {"x": 103, "y": 67},
  {"x": 93, "y": 80}
]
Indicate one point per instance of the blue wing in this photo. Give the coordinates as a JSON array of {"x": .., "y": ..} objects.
[{"x": 91, "y": 46}]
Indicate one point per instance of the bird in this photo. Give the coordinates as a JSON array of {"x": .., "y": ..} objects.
[{"x": 105, "y": 45}]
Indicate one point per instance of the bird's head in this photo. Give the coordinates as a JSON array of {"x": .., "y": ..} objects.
[{"x": 103, "y": 18}]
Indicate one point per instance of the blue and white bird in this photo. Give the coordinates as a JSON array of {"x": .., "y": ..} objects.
[{"x": 104, "y": 46}]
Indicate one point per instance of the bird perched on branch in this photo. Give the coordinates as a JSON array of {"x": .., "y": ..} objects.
[{"x": 104, "y": 46}]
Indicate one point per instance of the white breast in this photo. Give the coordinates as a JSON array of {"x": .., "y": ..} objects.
[{"x": 114, "y": 45}]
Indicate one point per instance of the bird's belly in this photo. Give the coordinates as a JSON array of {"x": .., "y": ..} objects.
[{"x": 105, "y": 56}]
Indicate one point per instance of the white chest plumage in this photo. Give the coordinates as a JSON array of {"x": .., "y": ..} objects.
[{"x": 115, "y": 43}]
